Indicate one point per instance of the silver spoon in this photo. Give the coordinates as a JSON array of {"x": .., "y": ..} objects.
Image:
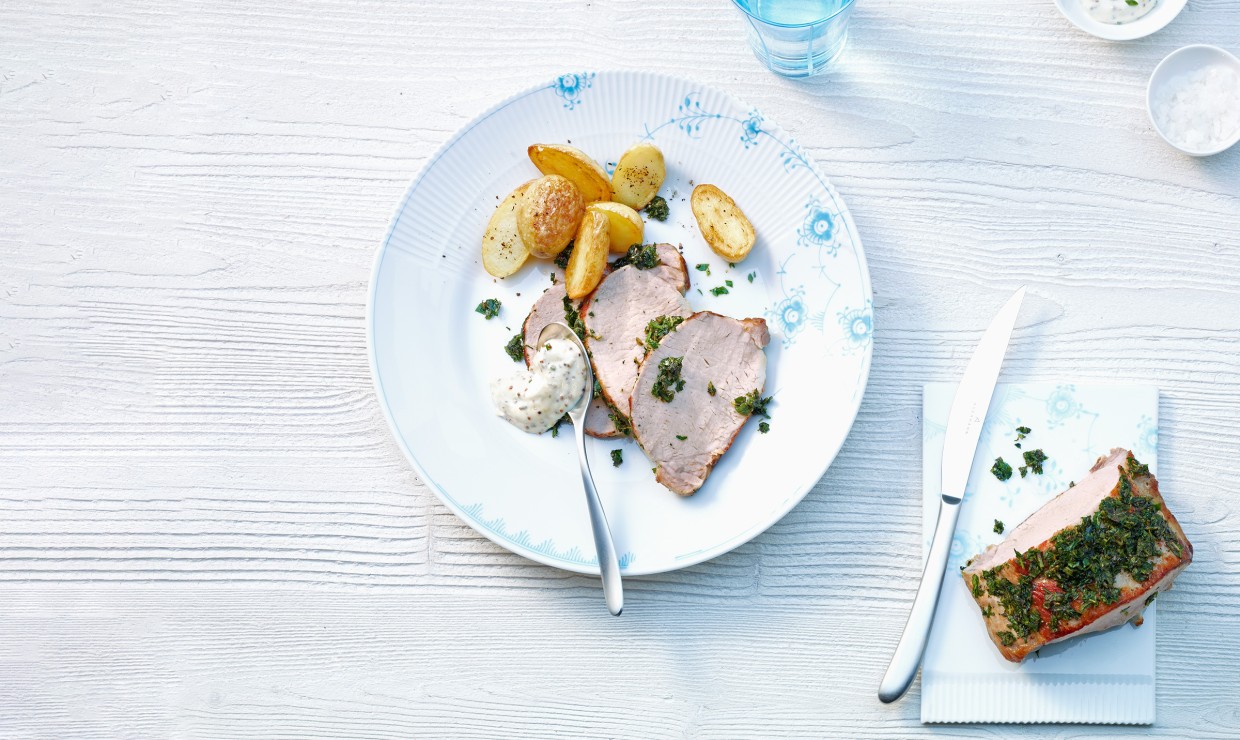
[{"x": 608, "y": 565}]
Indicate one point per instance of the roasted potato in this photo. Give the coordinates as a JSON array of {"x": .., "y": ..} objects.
[
  {"x": 589, "y": 258},
  {"x": 574, "y": 164},
  {"x": 503, "y": 251},
  {"x": 624, "y": 226},
  {"x": 548, "y": 214},
  {"x": 639, "y": 175},
  {"x": 723, "y": 224}
]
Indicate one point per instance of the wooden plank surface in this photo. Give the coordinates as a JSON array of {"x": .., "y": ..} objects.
[{"x": 207, "y": 531}]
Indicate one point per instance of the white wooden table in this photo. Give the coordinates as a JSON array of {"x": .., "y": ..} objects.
[{"x": 206, "y": 530}]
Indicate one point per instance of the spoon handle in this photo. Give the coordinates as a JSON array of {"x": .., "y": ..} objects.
[{"x": 608, "y": 565}]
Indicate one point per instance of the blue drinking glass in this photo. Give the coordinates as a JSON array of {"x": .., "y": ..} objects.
[{"x": 797, "y": 38}]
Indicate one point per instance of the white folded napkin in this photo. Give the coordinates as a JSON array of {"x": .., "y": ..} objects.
[{"x": 1106, "y": 678}]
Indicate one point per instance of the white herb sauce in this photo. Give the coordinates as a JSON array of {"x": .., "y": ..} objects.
[
  {"x": 1117, "y": 12},
  {"x": 534, "y": 400}
]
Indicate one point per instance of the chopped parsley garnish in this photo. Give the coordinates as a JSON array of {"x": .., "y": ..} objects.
[
  {"x": 764, "y": 427},
  {"x": 489, "y": 308},
  {"x": 681, "y": 437},
  {"x": 751, "y": 276},
  {"x": 751, "y": 405},
  {"x": 1150, "y": 599},
  {"x": 1001, "y": 469},
  {"x": 731, "y": 264},
  {"x": 710, "y": 387},
  {"x": 1131, "y": 3},
  {"x": 1079, "y": 568},
  {"x": 1033, "y": 462},
  {"x": 620, "y": 421},
  {"x": 516, "y": 348},
  {"x": 998, "y": 527},
  {"x": 657, "y": 208},
  {"x": 703, "y": 267},
  {"x": 719, "y": 291},
  {"x": 1021, "y": 433},
  {"x": 639, "y": 256},
  {"x": 573, "y": 318},
  {"x": 553, "y": 278},
  {"x": 561, "y": 259},
  {"x": 668, "y": 381},
  {"x": 728, "y": 283},
  {"x": 617, "y": 458},
  {"x": 660, "y": 327}
]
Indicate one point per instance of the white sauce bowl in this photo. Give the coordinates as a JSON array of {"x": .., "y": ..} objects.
[
  {"x": 1155, "y": 20},
  {"x": 1182, "y": 61}
]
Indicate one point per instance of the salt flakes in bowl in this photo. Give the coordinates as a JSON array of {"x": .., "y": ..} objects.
[{"x": 1194, "y": 99}]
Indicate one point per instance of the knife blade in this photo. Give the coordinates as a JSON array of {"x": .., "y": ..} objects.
[{"x": 964, "y": 427}]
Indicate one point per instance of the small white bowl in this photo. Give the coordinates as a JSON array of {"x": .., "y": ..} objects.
[
  {"x": 1155, "y": 20},
  {"x": 1181, "y": 61}
]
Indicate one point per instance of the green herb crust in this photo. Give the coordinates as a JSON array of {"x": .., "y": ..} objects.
[
  {"x": 750, "y": 404},
  {"x": 642, "y": 257},
  {"x": 668, "y": 381},
  {"x": 561, "y": 259},
  {"x": 660, "y": 327},
  {"x": 657, "y": 208},
  {"x": 1047, "y": 588},
  {"x": 516, "y": 348},
  {"x": 572, "y": 317},
  {"x": 1001, "y": 469},
  {"x": 489, "y": 308},
  {"x": 620, "y": 421}
]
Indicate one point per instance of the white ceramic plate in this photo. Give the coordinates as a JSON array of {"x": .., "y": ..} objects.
[
  {"x": 433, "y": 357},
  {"x": 1159, "y": 16}
]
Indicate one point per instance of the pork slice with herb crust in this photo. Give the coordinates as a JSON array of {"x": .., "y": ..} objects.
[
  {"x": 672, "y": 267},
  {"x": 616, "y": 316},
  {"x": 682, "y": 426},
  {"x": 551, "y": 307},
  {"x": 1092, "y": 558}
]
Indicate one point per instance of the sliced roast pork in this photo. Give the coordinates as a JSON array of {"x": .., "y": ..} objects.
[
  {"x": 551, "y": 306},
  {"x": 1092, "y": 558},
  {"x": 672, "y": 267},
  {"x": 616, "y": 315},
  {"x": 681, "y": 424}
]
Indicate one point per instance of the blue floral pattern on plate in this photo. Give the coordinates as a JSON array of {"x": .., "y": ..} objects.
[{"x": 569, "y": 87}]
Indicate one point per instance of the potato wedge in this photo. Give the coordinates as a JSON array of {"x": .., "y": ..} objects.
[
  {"x": 589, "y": 258},
  {"x": 624, "y": 226},
  {"x": 639, "y": 175},
  {"x": 574, "y": 164},
  {"x": 503, "y": 252},
  {"x": 723, "y": 224},
  {"x": 548, "y": 214}
]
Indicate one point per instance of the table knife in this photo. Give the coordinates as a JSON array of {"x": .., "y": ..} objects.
[{"x": 964, "y": 427}]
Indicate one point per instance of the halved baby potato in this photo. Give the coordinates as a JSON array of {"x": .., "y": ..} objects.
[
  {"x": 639, "y": 175},
  {"x": 589, "y": 257},
  {"x": 574, "y": 164},
  {"x": 503, "y": 251},
  {"x": 548, "y": 214},
  {"x": 624, "y": 226},
  {"x": 723, "y": 224}
]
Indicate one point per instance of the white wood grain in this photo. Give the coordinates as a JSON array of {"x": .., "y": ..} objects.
[{"x": 206, "y": 530}]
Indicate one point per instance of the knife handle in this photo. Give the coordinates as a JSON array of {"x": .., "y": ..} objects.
[{"x": 907, "y": 657}]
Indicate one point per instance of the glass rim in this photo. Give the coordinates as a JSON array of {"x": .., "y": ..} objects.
[{"x": 845, "y": 6}]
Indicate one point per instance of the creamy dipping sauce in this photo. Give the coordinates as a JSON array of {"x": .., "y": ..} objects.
[
  {"x": 1117, "y": 12},
  {"x": 534, "y": 400}
]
